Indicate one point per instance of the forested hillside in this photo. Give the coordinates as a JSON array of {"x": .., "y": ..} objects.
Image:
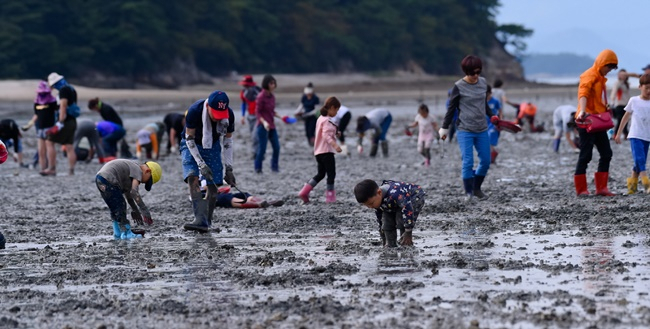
[{"x": 140, "y": 38}]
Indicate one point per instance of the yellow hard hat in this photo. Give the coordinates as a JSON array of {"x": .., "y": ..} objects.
[{"x": 156, "y": 173}]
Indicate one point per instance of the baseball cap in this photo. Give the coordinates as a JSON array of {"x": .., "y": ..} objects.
[
  {"x": 646, "y": 67},
  {"x": 156, "y": 173},
  {"x": 53, "y": 78},
  {"x": 218, "y": 103}
]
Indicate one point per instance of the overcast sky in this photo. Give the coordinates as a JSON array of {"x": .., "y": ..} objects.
[{"x": 584, "y": 27}]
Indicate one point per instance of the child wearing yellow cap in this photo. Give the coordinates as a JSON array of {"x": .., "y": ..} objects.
[{"x": 121, "y": 178}]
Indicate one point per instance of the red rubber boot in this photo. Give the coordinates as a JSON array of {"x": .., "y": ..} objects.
[
  {"x": 601, "y": 179},
  {"x": 580, "y": 182}
]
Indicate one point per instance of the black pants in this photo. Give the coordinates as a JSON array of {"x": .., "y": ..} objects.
[
  {"x": 310, "y": 128},
  {"x": 343, "y": 124},
  {"x": 587, "y": 142},
  {"x": 326, "y": 165},
  {"x": 619, "y": 112}
]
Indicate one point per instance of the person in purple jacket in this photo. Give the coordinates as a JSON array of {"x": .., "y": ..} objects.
[
  {"x": 266, "y": 131},
  {"x": 110, "y": 133}
]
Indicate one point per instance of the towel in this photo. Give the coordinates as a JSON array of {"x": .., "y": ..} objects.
[{"x": 207, "y": 127}]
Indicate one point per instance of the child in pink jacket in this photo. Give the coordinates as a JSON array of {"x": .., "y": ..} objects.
[{"x": 324, "y": 147}]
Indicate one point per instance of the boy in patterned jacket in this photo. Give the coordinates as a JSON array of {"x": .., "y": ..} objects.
[{"x": 397, "y": 205}]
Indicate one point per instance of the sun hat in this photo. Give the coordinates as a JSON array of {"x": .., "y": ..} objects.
[
  {"x": 43, "y": 87},
  {"x": 53, "y": 78},
  {"x": 247, "y": 81},
  {"x": 218, "y": 103},
  {"x": 156, "y": 173}
]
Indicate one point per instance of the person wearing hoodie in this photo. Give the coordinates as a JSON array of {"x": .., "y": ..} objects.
[{"x": 592, "y": 99}]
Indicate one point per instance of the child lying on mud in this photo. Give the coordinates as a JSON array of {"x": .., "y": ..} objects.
[
  {"x": 226, "y": 199},
  {"x": 121, "y": 178},
  {"x": 397, "y": 205}
]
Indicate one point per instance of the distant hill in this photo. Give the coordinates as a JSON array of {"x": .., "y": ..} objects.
[{"x": 561, "y": 64}]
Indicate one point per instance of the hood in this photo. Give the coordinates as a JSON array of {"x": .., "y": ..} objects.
[{"x": 605, "y": 57}]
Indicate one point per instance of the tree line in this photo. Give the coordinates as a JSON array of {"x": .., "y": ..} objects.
[{"x": 137, "y": 37}]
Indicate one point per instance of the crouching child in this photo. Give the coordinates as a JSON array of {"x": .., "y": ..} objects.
[
  {"x": 397, "y": 205},
  {"x": 121, "y": 178}
]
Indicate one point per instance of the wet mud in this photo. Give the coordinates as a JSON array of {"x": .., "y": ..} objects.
[{"x": 531, "y": 256}]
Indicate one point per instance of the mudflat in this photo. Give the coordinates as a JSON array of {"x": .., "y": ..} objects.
[{"x": 531, "y": 256}]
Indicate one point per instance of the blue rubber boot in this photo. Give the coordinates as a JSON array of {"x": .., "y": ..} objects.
[
  {"x": 127, "y": 234},
  {"x": 3, "y": 241},
  {"x": 117, "y": 232}
]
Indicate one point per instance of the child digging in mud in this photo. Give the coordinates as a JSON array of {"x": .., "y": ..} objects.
[
  {"x": 324, "y": 147},
  {"x": 396, "y": 204},
  {"x": 120, "y": 178}
]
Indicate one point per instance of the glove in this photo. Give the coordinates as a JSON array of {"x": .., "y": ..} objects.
[
  {"x": 230, "y": 177},
  {"x": 147, "y": 220},
  {"x": 360, "y": 149},
  {"x": 52, "y": 131},
  {"x": 443, "y": 133},
  {"x": 206, "y": 172},
  {"x": 28, "y": 125},
  {"x": 494, "y": 119},
  {"x": 407, "y": 131},
  {"x": 136, "y": 217},
  {"x": 406, "y": 239},
  {"x": 174, "y": 149}
]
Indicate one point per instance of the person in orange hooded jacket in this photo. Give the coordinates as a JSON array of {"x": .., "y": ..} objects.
[{"x": 592, "y": 99}]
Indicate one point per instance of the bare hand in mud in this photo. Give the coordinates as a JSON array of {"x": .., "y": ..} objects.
[{"x": 406, "y": 239}]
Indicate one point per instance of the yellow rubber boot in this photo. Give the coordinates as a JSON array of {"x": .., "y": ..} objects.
[
  {"x": 632, "y": 184},
  {"x": 646, "y": 184}
]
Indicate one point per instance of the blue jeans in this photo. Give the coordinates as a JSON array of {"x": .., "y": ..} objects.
[
  {"x": 639, "y": 154},
  {"x": 263, "y": 137},
  {"x": 114, "y": 198},
  {"x": 211, "y": 157},
  {"x": 384, "y": 127},
  {"x": 467, "y": 141},
  {"x": 110, "y": 141}
]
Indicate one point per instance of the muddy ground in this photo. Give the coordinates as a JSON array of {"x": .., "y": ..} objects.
[{"x": 532, "y": 256}]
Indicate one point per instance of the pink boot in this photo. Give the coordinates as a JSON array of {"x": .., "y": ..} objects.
[
  {"x": 330, "y": 196},
  {"x": 304, "y": 193}
]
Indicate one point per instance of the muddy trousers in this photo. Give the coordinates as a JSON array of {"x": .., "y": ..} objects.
[
  {"x": 587, "y": 143},
  {"x": 114, "y": 198}
]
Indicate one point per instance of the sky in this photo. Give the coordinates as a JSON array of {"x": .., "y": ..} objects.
[{"x": 584, "y": 27}]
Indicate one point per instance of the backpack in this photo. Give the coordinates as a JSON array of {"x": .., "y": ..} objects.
[{"x": 251, "y": 93}]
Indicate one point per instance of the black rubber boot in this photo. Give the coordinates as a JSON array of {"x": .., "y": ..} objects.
[
  {"x": 373, "y": 149},
  {"x": 468, "y": 183},
  {"x": 391, "y": 238},
  {"x": 200, "y": 223},
  {"x": 478, "y": 181},
  {"x": 384, "y": 148}
]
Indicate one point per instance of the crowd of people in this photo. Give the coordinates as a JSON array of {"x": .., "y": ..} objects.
[{"x": 203, "y": 136}]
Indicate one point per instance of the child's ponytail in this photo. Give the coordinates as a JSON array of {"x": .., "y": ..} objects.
[{"x": 330, "y": 102}]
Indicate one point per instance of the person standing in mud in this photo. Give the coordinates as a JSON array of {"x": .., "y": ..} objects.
[
  {"x": 427, "y": 127},
  {"x": 397, "y": 206},
  {"x": 308, "y": 112},
  {"x": 248, "y": 97},
  {"x": 341, "y": 120},
  {"x": 324, "y": 147},
  {"x": 638, "y": 109},
  {"x": 207, "y": 120},
  {"x": 379, "y": 121},
  {"x": 266, "y": 131},
  {"x": 63, "y": 130},
  {"x": 174, "y": 124},
  {"x": 45, "y": 108},
  {"x": 121, "y": 178},
  {"x": 592, "y": 99},
  {"x": 620, "y": 95},
  {"x": 469, "y": 98},
  {"x": 108, "y": 113}
]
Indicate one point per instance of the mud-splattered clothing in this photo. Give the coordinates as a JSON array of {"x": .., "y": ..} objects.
[
  {"x": 115, "y": 180},
  {"x": 403, "y": 197}
]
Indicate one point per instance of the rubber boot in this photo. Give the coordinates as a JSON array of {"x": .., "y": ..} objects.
[
  {"x": 330, "y": 196},
  {"x": 478, "y": 181},
  {"x": 493, "y": 157},
  {"x": 3, "y": 241},
  {"x": 556, "y": 146},
  {"x": 391, "y": 238},
  {"x": 384, "y": 148},
  {"x": 580, "y": 181},
  {"x": 200, "y": 223},
  {"x": 304, "y": 193},
  {"x": 212, "y": 203},
  {"x": 468, "y": 183},
  {"x": 646, "y": 184},
  {"x": 632, "y": 185},
  {"x": 254, "y": 203},
  {"x": 373, "y": 149},
  {"x": 127, "y": 234},
  {"x": 601, "y": 184},
  {"x": 117, "y": 231}
]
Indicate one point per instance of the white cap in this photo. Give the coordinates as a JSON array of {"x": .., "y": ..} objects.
[{"x": 53, "y": 78}]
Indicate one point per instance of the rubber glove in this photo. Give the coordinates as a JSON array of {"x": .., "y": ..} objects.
[
  {"x": 58, "y": 126},
  {"x": 494, "y": 119},
  {"x": 147, "y": 220},
  {"x": 230, "y": 177},
  {"x": 443, "y": 133},
  {"x": 407, "y": 238},
  {"x": 137, "y": 217},
  {"x": 206, "y": 172}
]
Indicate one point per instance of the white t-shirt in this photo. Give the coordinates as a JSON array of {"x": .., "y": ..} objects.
[
  {"x": 339, "y": 115},
  {"x": 425, "y": 125},
  {"x": 562, "y": 116},
  {"x": 640, "y": 120}
]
